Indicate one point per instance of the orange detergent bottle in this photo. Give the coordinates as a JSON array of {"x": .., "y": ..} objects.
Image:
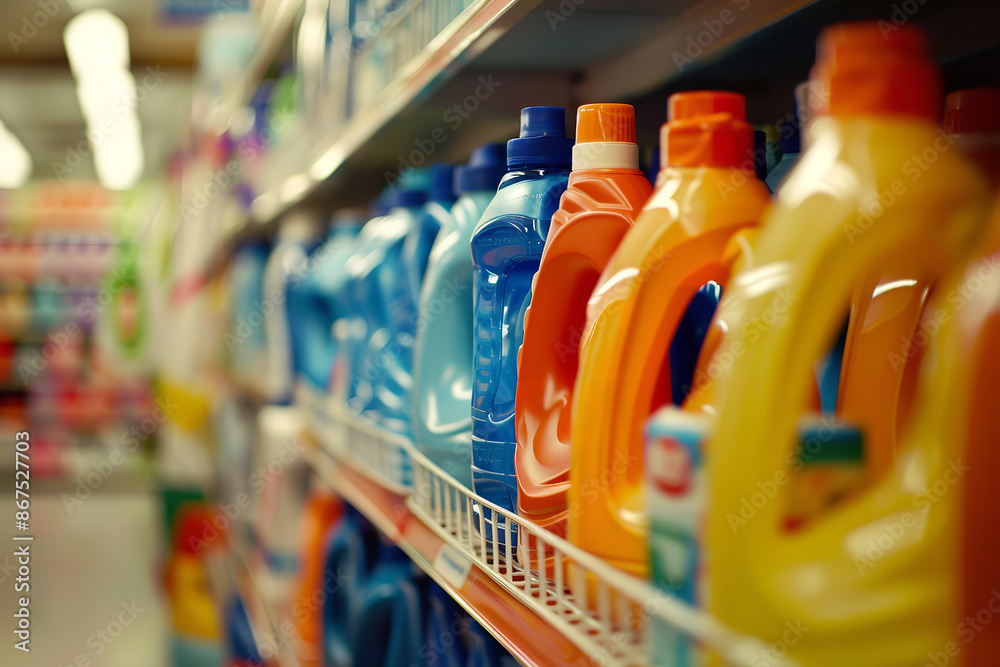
[
  {"x": 872, "y": 580},
  {"x": 605, "y": 194},
  {"x": 703, "y": 203}
]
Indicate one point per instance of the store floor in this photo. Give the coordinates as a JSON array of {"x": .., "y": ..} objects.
[{"x": 95, "y": 598}]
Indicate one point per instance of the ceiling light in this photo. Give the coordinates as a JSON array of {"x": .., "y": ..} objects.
[
  {"x": 15, "y": 162},
  {"x": 96, "y": 41}
]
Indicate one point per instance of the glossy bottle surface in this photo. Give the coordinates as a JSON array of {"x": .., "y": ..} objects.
[
  {"x": 444, "y": 348},
  {"x": 862, "y": 606},
  {"x": 506, "y": 250},
  {"x": 597, "y": 209}
]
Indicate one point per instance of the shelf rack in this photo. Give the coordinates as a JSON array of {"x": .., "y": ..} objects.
[{"x": 547, "y": 599}]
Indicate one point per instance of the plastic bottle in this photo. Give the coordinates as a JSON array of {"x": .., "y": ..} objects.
[
  {"x": 395, "y": 391},
  {"x": 246, "y": 285},
  {"x": 296, "y": 237},
  {"x": 322, "y": 301},
  {"x": 374, "y": 268},
  {"x": 444, "y": 645},
  {"x": 351, "y": 553},
  {"x": 442, "y": 424},
  {"x": 390, "y": 627},
  {"x": 870, "y": 580},
  {"x": 689, "y": 233},
  {"x": 972, "y": 118},
  {"x": 790, "y": 148},
  {"x": 605, "y": 194},
  {"x": 506, "y": 249},
  {"x": 322, "y": 512}
]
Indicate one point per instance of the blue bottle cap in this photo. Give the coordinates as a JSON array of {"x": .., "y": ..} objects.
[
  {"x": 790, "y": 142},
  {"x": 486, "y": 167},
  {"x": 543, "y": 141},
  {"x": 442, "y": 188},
  {"x": 410, "y": 189}
]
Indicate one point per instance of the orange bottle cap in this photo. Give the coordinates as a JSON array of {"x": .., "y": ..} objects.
[
  {"x": 605, "y": 122},
  {"x": 865, "y": 69},
  {"x": 972, "y": 110},
  {"x": 706, "y": 129}
]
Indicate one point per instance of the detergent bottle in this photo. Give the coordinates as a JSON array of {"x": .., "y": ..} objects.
[
  {"x": 871, "y": 579},
  {"x": 506, "y": 250},
  {"x": 444, "y": 644},
  {"x": 442, "y": 424},
  {"x": 395, "y": 389},
  {"x": 606, "y": 191},
  {"x": 790, "y": 148},
  {"x": 390, "y": 628},
  {"x": 321, "y": 302},
  {"x": 248, "y": 347},
  {"x": 322, "y": 512},
  {"x": 705, "y": 200},
  {"x": 297, "y": 235},
  {"x": 374, "y": 268},
  {"x": 351, "y": 554}
]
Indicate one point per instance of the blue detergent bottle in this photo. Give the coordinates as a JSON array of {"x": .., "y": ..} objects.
[
  {"x": 790, "y": 148},
  {"x": 240, "y": 644},
  {"x": 442, "y": 424},
  {"x": 374, "y": 269},
  {"x": 246, "y": 342},
  {"x": 322, "y": 301},
  {"x": 395, "y": 391},
  {"x": 390, "y": 628},
  {"x": 506, "y": 250},
  {"x": 484, "y": 650},
  {"x": 284, "y": 272},
  {"x": 447, "y": 624},
  {"x": 353, "y": 548}
]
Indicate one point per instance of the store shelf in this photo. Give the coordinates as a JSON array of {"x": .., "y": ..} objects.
[
  {"x": 549, "y": 599},
  {"x": 276, "y": 26},
  {"x": 469, "y": 34}
]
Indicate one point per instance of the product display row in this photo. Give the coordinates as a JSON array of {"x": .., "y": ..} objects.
[{"x": 772, "y": 408}]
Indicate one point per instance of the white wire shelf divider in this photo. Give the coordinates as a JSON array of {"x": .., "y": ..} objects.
[{"x": 610, "y": 615}]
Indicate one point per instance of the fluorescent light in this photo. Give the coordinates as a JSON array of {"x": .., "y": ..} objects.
[
  {"x": 96, "y": 41},
  {"x": 97, "y": 46},
  {"x": 15, "y": 163},
  {"x": 118, "y": 155}
]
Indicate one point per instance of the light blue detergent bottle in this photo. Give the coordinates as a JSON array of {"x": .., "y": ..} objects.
[
  {"x": 442, "y": 424},
  {"x": 374, "y": 268},
  {"x": 484, "y": 650},
  {"x": 246, "y": 285},
  {"x": 390, "y": 629},
  {"x": 395, "y": 391},
  {"x": 284, "y": 272},
  {"x": 506, "y": 250},
  {"x": 351, "y": 553},
  {"x": 321, "y": 302},
  {"x": 790, "y": 148},
  {"x": 447, "y": 625}
]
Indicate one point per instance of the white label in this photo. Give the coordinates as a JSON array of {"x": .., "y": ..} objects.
[{"x": 452, "y": 565}]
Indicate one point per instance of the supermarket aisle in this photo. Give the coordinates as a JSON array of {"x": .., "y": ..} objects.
[{"x": 95, "y": 600}]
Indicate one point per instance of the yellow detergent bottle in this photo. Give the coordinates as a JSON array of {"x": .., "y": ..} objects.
[
  {"x": 706, "y": 198},
  {"x": 879, "y": 191}
]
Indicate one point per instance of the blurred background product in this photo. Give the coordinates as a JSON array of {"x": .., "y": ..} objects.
[{"x": 337, "y": 341}]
